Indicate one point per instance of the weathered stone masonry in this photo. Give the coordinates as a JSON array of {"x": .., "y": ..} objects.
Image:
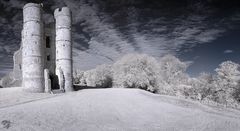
[
  {"x": 44, "y": 61},
  {"x": 32, "y": 48},
  {"x": 64, "y": 46}
]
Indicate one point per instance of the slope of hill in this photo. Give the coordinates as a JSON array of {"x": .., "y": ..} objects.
[{"x": 111, "y": 109}]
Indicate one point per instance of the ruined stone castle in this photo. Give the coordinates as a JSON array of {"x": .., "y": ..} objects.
[{"x": 44, "y": 61}]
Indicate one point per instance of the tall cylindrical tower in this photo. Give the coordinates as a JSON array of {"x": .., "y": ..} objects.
[
  {"x": 64, "y": 47},
  {"x": 32, "y": 50}
]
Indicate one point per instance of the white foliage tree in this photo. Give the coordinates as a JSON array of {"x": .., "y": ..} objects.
[
  {"x": 227, "y": 82},
  {"x": 136, "y": 71},
  {"x": 229, "y": 71},
  {"x": 202, "y": 86},
  {"x": 172, "y": 72},
  {"x": 100, "y": 77}
]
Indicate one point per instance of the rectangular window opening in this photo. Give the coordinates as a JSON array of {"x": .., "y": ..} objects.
[
  {"x": 48, "y": 42},
  {"x": 48, "y": 58}
]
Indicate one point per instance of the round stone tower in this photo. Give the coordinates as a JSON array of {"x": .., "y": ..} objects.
[
  {"x": 32, "y": 50},
  {"x": 64, "y": 47}
]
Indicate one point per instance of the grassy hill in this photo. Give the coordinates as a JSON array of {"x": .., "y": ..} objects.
[{"x": 109, "y": 109}]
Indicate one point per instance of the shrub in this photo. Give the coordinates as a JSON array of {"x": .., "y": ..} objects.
[
  {"x": 100, "y": 77},
  {"x": 77, "y": 76},
  {"x": 9, "y": 80}
]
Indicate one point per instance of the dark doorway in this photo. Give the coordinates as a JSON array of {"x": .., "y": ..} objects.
[{"x": 54, "y": 82}]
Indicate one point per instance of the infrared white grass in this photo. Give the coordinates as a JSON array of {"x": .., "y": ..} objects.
[
  {"x": 15, "y": 95},
  {"x": 111, "y": 109}
]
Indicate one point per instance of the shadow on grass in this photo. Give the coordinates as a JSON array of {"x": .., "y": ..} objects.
[{"x": 79, "y": 87}]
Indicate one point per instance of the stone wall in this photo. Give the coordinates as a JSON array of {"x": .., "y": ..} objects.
[
  {"x": 50, "y": 47},
  {"x": 32, "y": 51},
  {"x": 64, "y": 45},
  {"x": 44, "y": 60}
]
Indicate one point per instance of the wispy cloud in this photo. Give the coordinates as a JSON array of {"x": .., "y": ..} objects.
[
  {"x": 101, "y": 37},
  {"x": 228, "y": 51}
]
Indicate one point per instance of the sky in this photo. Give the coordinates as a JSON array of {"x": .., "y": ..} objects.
[{"x": 203, "y": 32}]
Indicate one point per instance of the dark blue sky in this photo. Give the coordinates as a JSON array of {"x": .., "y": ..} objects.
[
  {"x": 205, "y": 32},
  {"x": 206, "y": 57}
]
